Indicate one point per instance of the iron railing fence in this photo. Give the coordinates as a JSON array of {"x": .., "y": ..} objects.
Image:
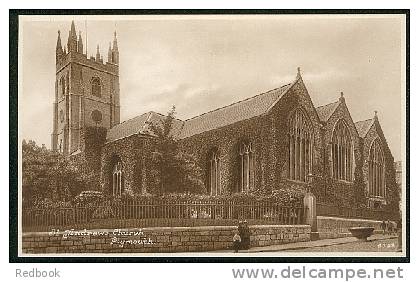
[{"x": 160, "y": 213}]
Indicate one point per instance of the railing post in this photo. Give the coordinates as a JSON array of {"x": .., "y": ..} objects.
[{"x": 310, "y": 214}]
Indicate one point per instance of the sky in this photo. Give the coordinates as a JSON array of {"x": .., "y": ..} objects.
[{"x": 201, "y": 63}]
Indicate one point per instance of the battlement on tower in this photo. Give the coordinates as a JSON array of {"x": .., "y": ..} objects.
[
  {"x": 77, "y": 58},
  {"x": 75, "y": 53}
]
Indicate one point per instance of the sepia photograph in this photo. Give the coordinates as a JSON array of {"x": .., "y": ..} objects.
[{"x": 212, "y": 135}]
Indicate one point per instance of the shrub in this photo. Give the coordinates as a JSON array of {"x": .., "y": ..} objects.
[
  {"x": 89, "y": 198},
  {"x": 283, "y": 195},
  {"x": 49, "y": 204},
  {"x": 48, "y": 174}
]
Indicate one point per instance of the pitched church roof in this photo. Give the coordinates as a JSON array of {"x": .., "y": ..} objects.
[
  {"x": 139, "y": 125},
  {"x": 326, "y": 111},
  {"x": 239, "y": 111},
  {"x": 242, "y": 110},
  {"x": 364, "y": 126}
]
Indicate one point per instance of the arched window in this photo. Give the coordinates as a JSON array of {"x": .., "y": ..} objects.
[
  {"x": 117, "y": 184},
  {"x": 96, "y": 87},
  {"x": 62, "y": 85},
  {"x": 376, "y": 170},
  {"x": 342, "y": 152},
  {"x": 300, "y": 141},
  {"x": 214, "y": 178},
  {"x": 67, "y": 84},
  {"x": 247, "y": 167}
]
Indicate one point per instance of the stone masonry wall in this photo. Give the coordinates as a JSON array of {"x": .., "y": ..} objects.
[
  {"x": 335, "y": 227},
  {"x": 158, "y": 240}
]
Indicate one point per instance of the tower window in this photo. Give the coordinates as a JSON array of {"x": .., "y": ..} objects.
[{"x": 96, "y": 87}]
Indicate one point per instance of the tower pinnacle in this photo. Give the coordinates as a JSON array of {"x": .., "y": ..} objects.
[
  {"x": 59, "y": 41},
  {"x": 73, "y": 28},
  {"x": 110, "y": 53},
  {"x": 80, "y": 44},
  {"x": 113, "y": 54},
  {"x": 72, "y": 39},
  {"x": 97, "y": 53},
  {"x": 58, "y": 49},
  {"x": 115, "y": 42}
]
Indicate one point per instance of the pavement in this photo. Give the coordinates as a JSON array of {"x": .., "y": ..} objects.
[{"x": 312, "y": 244}]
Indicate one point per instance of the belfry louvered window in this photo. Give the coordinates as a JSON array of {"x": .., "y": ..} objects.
[
  {"x": 376, "y": 170},
  {"x": 342, "y": 152},
  {"x": 300, "y": 142},
  {"x": 96, "y": 87}
]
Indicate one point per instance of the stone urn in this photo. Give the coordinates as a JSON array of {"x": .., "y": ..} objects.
[{"x": 361, "y": 233}]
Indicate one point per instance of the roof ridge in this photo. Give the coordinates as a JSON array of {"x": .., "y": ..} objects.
[
  {"x": 129, "y": 119},
  {"x": 237, "y": 102},
  {"x": 325, "y": 105},
  {"x": 157, "y": 113},
  {"x": 364, "y": 120}
]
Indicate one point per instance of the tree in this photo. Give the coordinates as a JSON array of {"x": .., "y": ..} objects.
[
  {"x": 48, "y": 175},
  {"x": 177, "y": 171}
]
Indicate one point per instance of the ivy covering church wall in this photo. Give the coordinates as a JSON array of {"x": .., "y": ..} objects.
[{"x": 268, "y": 134}]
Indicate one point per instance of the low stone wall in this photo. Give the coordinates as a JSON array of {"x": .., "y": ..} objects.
[
  {"x": 157, "y": 240},
  {"x": 335, "y": 227},
  {"x": 267, "y": 235}
]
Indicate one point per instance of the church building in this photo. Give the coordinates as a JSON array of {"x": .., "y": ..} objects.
[{"x": 274, "y": 139}]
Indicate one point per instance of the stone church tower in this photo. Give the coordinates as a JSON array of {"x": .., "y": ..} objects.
[{"x": 86, "y": 94}]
